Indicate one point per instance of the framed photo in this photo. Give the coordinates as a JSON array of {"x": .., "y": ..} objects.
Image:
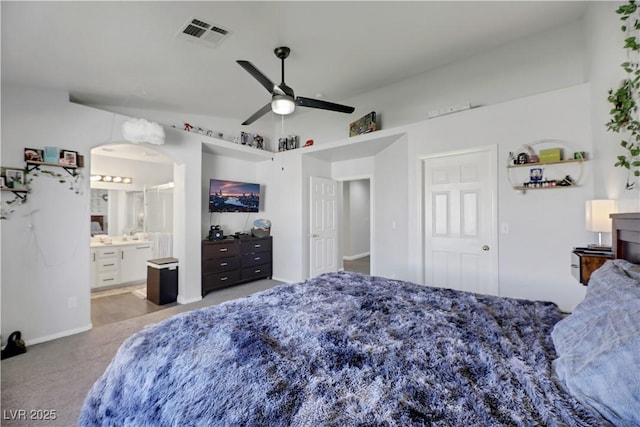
[
  {"x": 14, "y": 178},
  {"x": 68, "y": 158},
  {"x": 33, "y": 155},
  {"x": 2, "y": 182}
]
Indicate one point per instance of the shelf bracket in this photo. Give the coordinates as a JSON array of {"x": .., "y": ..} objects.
[
  {"x": 70, "y": 170},
  {"x": 22, "y": 195}
]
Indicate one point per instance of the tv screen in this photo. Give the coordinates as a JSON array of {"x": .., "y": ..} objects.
[{"x": 233, "y": 196}]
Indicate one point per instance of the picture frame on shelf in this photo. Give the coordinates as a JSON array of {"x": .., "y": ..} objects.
[
  {"x": 33, "y": 155},
  {"x": 68, "y": 158},
  {"x": 14, "y": 177},
  {"x": 51, "y": 154}
]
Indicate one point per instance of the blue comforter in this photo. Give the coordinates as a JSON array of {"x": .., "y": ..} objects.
[{"x": 342, "y": 349}]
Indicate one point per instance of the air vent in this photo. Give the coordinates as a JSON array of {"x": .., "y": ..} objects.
[{"x": 203, "y": 32}]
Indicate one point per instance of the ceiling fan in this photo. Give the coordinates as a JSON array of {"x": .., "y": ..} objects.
[{"x": 283, "y": 100}]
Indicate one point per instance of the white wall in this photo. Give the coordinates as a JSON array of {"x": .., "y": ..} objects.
[
  {"x": 356, "y": 216},
  {"x": 605, "y": 43},
  {"x": 45, "y": 261},
  {"x": 45, "y": 275},
  {"x": 547, "y": 61}
]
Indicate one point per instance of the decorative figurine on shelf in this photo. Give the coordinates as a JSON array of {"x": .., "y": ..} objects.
[
  {"x": 259, "y": 141},
  {"x": 523, "y": 158},
  {"x": 309, "y": 143},
  {"x": 187, "y": 127},
  {"x": 567, "y": 181}
]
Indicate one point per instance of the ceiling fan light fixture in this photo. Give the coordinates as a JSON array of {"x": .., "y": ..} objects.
[{"x": 282, "y": 104}]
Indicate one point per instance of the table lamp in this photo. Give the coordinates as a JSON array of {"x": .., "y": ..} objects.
[{"x": 597, "y": 219}]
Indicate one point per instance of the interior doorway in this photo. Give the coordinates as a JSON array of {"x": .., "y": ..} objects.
[
  {"x": 356, "y": 225},
  {"x": 132, "y": 206}
]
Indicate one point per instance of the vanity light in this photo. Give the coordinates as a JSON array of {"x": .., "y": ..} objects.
[{"x": 114, "y": 179}]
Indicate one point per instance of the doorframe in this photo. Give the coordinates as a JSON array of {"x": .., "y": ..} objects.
[
  {"x": 372, "y": 246},
  {"x": 493, "y": 176}
]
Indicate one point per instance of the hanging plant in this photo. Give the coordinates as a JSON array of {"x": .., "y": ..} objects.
[{"x": 625, "y": 99}]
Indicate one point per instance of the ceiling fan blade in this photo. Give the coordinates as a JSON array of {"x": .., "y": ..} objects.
[
  {"x": 325, "y": 105},
  {"x": 261, "y": 112},
  {"x": 257, "y": 74}
]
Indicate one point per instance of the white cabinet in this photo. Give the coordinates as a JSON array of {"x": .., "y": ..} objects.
[
  {"x": 118, "y": 264},
  {"x": 133, "y": 262},
  {"x": 107, "y": 266}
]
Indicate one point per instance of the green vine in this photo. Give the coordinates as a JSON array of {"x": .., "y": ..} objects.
[{"x": 625, "y": 99}]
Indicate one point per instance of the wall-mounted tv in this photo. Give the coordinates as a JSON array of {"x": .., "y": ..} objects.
[{"x": 233, "y": 196}]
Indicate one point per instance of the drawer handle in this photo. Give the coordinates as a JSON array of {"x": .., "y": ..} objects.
[
  {"x": 223, "y": 249},
  {"x": 257, "y": 246},
  {"x": 574, "y": 266},
  {"x": 108, "y": 280},
  {"x": 109, "y": 253},
  {"x": 107, "y": 265},
  {"x": 222, "y": 279},
  {"x": 222, "y": 264},
  {"x": 257, "y": 271},
  {"x": 257, "y": 258}
]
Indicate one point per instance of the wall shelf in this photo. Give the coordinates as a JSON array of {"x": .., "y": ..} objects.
[
  {"x": 32, "y": 165},
  {"x": 20, "y": 193},
  {"x": 565, "y": 173}
]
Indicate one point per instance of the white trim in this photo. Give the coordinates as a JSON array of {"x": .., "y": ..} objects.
[
  {"x": 59, "y": 335},
  {"x": 354, "y": 257},
  {"x": 283, "y": 280},
  {"x": 182, "y": 300}
]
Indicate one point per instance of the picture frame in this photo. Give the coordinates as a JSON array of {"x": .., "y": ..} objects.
[
  {"x": 364, "y": 124},
  {"x": 2, "y": 182},
  {"x": 51, "y": 154},
  {"x": 68, "y": 158},
  {"x": 14, "y": 178},
  {"x": 33, "y": 155}
]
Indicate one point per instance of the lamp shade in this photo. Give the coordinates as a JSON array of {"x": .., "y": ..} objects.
[
  {"x": 282, "y": 104},
  {"x": 597, "y": 215}
]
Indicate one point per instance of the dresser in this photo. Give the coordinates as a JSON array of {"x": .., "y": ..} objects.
[{"x": 232, "y": 261}]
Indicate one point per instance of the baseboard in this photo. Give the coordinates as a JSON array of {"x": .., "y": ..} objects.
[
  {"x": 187, "y": 300},
  {"x": 283, "y": 280},
  {"x": 355, "y": 257},
  {"x": 58, "y": 335}
]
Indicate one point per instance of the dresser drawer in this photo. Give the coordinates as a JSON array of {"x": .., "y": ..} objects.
[
  {"x": 107, "y": 264},
  {"x": 107, "y": 253},
  {"x": 256, "y": 245},
  {"x": 256, "y": 272},
  {"x": 219, "y": 280},
  {"x": 219, "y": 265},
  {"x": 108, "y": 278},
  {"x": 256, "y": 258},
  {"x": 220, "y": 250}
]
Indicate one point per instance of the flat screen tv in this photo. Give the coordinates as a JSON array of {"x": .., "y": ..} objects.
[{"x": 233, "y": 196}]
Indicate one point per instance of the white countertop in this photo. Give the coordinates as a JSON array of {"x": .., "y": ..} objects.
[{"x": 120, "y": 242}]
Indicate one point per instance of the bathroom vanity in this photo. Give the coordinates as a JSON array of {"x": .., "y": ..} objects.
[{"x": 119, "y": 262}]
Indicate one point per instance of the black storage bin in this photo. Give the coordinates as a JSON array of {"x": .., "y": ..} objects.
[{"x": 162, "y": 280}]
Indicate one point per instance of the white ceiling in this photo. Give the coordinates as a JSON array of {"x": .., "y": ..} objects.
[{"x": 116, "y": 55}]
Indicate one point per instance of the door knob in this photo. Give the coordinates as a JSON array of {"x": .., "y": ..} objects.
[{"x": 485, "y": 248}]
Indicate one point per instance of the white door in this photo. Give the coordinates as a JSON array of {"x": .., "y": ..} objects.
[
  {"x": 460, "y": 221},
  {"x": 322, "y": 227}
]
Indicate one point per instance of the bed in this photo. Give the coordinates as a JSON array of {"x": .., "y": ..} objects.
[{"x": 347, "y": 349}]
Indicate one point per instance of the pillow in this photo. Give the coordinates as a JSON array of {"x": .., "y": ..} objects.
[{"x": 598, "y": 345}]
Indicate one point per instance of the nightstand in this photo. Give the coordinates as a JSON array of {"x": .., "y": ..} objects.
[{"x": 585, "y": 263}]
